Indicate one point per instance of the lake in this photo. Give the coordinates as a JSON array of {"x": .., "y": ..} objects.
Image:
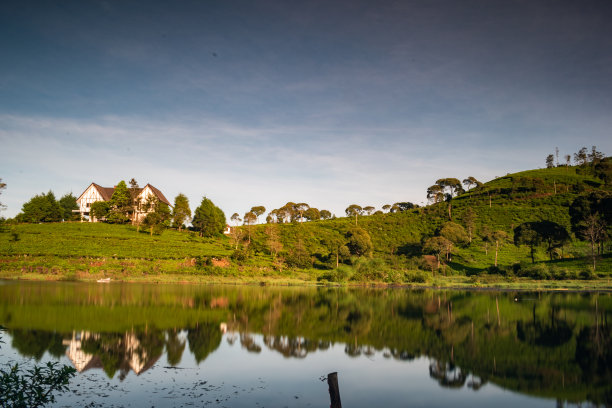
[{"x": 145, "y": 345}]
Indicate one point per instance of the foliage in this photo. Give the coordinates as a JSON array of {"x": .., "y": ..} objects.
[
  {"x": 208, "y": 219},
  {"x": 33, "y": 387},
  {"x": 181, "y": 213},
  {"x": 158, "y": 219},
  {"x": 359, "y": 242},
  {"x": 68, "y": 203},
  {"x": 120, "y": 205},
  {"x": 537, "y": 232},
  {"x": 99, "y": 210},
  {"x": 41, "y": 208}
]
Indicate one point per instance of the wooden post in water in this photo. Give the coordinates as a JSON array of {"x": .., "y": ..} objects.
[{"x": 334, "y": 390}]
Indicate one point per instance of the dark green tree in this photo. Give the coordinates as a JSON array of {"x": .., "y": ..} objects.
[
  {"x": 536, "y": 233},
  {"x": 359, "y": 242},
  {"x": 120, "y": 204},
  {"x": 99, "y": 210},
  {"x": 258, "y": 210},
  {"x": 450, "y": 187},
  {"x": 41, "y": 208},
  {"x": 158, "y": 219},
  {"x": 353, "y": 210},
  {"x": 550, "y": 161},
  {"x": 325, "y": 215},
  {"x": 181, "y": 213},
  {"x": 312, "y": 214},
  {"x": 208, "y": 219},
  {"x": 68, "y": 203}
]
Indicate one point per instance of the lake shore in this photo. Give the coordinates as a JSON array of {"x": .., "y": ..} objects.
[{"x": 165, "y": 272}]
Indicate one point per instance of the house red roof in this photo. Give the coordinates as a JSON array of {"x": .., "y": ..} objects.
[{"x": 107, "y": 192}]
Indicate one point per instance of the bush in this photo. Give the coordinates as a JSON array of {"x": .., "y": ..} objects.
[
  {"x": 537, "y": 271},
  {"x": 341, "y": 274},
  {"x": 587, "y": 274},
  {"x": 416, "y": 277},
  {"x": 371, "y": 269}
]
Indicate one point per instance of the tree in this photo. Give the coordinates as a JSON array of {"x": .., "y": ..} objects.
[
  {"x": 500, "y": 238},
  {"x": 325, "y": 215},
  {"x": 593, "y": 228},
  {"x": 41, "y": 208},
  {"x": 581, "y": 158},
  {"x": 353, "y": 210},
  {"x": 595, "y": 157},
  {"x": 208, "y": 219},
  {"x": 597, "y": 202},
  {"x": 258, "y": 210},
  {"x": 386, "y": 207},
  {"x": 2, "y": 187},
  {"x": 312, "y": 214},
  {"x": 359, "y": 242},
  {"x": 300, "y": 208},
  {"x": 469, "y": 220},
  {"x": 99, "y": 210},
  {"x": 535, "y": 233},
  {"x": 158, "y": 219},
  {"x": 134, "y": 190},
  {"x": 603, "y": 170},
  {"x": 402, "y": 206},
  {"x": 249, "y": 219},
  {"x": 181, "y": 213},
  {"x": 435, "y": 194},
  {"x": 368, "y": 210},
  {"x": 120, "y": 204},
  {"x": 68, "y": 203},
  {"x": 455, "y": 234},
  {"x": 568, "y": 161},
  {"x": 550, "y": 161},
  {"x": 437, "y": 245},
  {"x": 273, "y": 242},
  {"x": 453, "y": 186}
]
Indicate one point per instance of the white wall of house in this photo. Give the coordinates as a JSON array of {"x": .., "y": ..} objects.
[{"x": 90, "y": 196}]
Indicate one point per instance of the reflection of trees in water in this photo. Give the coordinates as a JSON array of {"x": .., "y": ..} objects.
[
  {"x": 289, "y": 346},
  {"x": 553, "y": 333},
  {"x": 174, "y": 347},
  {"x": 447, "y": 374},
  {"x": 34, "y": 343},
  {"x": 203, "y": 340}
]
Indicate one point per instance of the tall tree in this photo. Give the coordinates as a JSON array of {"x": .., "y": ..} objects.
[
  {"x": 41, "y": 208},
  {"x": 353, "y": 210},
  {"x": 537, "y": 232},
  {"x": 68, "y": 202},
  {"x": 581, "y": 157},
  {"x": 368, "y": 210},
  {"x": 550, "y": 161},
  {"x": 312, "y": 214},
  {"x": 301, "y": 208},
  {"x": 249, "y": 219},
  {"x": 159, "y": 218},
  {"x": 2, "y": 187},
  {"x": 435, "y": 194},
  {"x": 208, "y": 219},
  {"x": 453, "y": 188},
  {"x": 437, "y": 245},
  {"x": 120, "y": 204},
  {"x": 500, "y": 238},
  {"x": 181, "y": 212},
  {"x": 273, "y": 242},
  {"x": 455, "y": 234},
  {"x": 359, "y": 242},
  {"x": 325, "y": 215},
  {"x": 593, "y": 229},
  {"x": 134, "y": 190},
  {"x": 258, "y": 210},
  {"x": 469, "y": 221}
]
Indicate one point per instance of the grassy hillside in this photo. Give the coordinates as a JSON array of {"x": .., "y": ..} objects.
[{"x": 307, "y": 251}]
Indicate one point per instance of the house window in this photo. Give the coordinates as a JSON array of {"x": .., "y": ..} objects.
[{"x": 88, "y": 205}]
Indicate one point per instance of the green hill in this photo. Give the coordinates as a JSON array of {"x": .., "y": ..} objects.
[{"x": 309, "y": 251}]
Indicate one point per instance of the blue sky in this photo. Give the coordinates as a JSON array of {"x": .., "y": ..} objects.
[{"x": 325, "y": 102}]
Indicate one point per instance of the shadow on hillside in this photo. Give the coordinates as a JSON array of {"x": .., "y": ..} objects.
[
  {"x": 411, "y": 249},
  {"x": 467, "y": 270}
]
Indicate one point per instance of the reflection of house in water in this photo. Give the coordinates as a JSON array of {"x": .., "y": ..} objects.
[
  {"x": 81, "y": 360},
  {"x": 128, "y": 346}
]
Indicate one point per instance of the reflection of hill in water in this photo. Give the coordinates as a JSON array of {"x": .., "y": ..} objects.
[{"x": 552, "y": 345}]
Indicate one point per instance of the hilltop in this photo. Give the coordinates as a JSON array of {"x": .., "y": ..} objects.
[{"x": 385, "y": 247}]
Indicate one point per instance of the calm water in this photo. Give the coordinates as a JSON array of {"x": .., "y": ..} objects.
[{"x": 226, "y": 346}]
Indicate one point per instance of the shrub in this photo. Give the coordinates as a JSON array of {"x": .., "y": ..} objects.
[{"x": 416, "y": 277}]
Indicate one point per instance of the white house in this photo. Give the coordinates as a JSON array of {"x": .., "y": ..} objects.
[{"x": 96, "y": 192}]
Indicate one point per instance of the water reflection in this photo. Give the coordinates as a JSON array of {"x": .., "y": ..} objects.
[{"x": 541, "y": 344}]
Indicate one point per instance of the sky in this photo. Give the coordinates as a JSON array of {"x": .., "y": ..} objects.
[{"x": 262, "y": 102}]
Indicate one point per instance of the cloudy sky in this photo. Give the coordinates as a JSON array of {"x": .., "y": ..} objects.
[{"x": 324, "y": 102}]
